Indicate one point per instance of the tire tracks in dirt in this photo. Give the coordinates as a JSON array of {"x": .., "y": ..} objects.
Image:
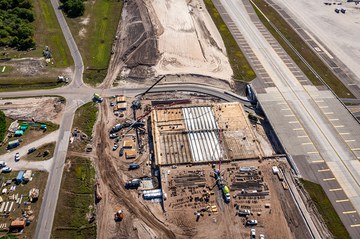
[{"x": 111, "y": 179}]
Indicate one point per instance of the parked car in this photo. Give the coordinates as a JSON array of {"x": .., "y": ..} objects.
[
  {"x": 133, "y": 166},
  {"x": 6, "y": 170},
  {"x": 113, "y": 136},
  {"x": 261, "y": 236},
  {"x": 115, "y": 147},
  {"x": 244, "y": 213},
  {"x": 251, "y": 222},
  {"x": 121, "y": 153},
  {"x": 31, "y": 150},
  {"x": 2, "y": 164},
  {"x": 252, "y": 233},
  {"x": 17, "y": 157},
  {"x": 112, "y": 104}
]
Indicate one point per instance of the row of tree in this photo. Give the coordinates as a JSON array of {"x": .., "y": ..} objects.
[
  {"x": 16, "y": 28},
  {"x": 2, "y": 126},
  {"x": 73, "y": 8}
]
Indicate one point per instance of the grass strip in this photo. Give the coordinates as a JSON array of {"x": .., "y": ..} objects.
[
  {"x": 305, "y": 51},
  {"x": 28, "y": 83},
  {"x": 240, "y": 66},
  {"x": 3, "y": 128},
  {"x": 85, "y": 118},
  {"x": 76, "y": 201},
  {"x": 326, "y": 209}
]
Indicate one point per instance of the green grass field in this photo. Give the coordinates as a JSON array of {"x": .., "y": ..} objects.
[
  {"x": 76, "y": 201},
  {"x": 240, "y": 66},
  {"x": 85, "y": 117},
  {"x": 291, "y": 35},
  {"x": 326, "y": 209},
  {"x": 103, "y": 17}
]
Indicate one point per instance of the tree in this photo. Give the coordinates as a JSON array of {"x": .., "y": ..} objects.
[{"x": 74, "y": 8}]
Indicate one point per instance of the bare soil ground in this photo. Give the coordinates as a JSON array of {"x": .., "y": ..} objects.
[
  {"x": 277, "y": 221},
  {"x": 28, "y": 108},
  {"x": 188, "y": 39},
  {"x": 115, "y": 196},
  {"x": 167, "y": 37}
]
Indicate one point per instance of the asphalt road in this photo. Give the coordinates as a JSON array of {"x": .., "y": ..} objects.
[{"x": 301, "y": 102}]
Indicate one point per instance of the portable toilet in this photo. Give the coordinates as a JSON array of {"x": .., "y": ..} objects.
[
  {"x": 19, "y": 133},
  {"x": 19, "y": 177}
]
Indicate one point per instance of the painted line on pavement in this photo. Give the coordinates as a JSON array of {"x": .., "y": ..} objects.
[
  {"x": 343, "y": 200},
  {"x": 349, "y": 212},
  {"x": 329, "y": 179}
]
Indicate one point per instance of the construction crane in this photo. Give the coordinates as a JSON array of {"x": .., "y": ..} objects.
[{"x": 136, "y": 104}]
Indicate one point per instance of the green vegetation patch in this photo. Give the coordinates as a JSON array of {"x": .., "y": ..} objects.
[
  {"x": 102, "y": 18},
  {"x": 240, "y": 66},
  {"x": 73, "y": 8},
  {"x": 305, "y": 51},
  {"x": 326, "y": 209},
  {"x": 94, "y": 77},
  {"x": 3, "y": 128},
  {"x": 75, "y": 210},
  {"x": 44, "y": 152},
  {"x": 85, "y": 118},
  {"x": 28, "y": 83}
]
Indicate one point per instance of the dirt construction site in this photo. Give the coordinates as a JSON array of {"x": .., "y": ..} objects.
[{"x": 176, "y": 191}]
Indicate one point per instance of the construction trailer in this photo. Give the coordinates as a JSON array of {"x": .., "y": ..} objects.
[
  {"x": 120, "y": 99},
  {"x": 19, "y": 177},
  {"x": 130, "y": 153},
  {"x": 13, "y": 144},
  {"x": 128, "y": 144},
  {"x": 27, "y": 176}
]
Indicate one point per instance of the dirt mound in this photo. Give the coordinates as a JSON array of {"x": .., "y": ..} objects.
[{"x": 138, "y": 42}]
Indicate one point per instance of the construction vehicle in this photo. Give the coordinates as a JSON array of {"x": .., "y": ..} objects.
[
  {"x": 119, "y": 216},
  {"x": 133, "y": 166},
  {"x": 226, "y": 193},
  {"x": 97, "y": 98}
]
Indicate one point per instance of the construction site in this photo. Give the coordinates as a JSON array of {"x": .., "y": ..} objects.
[{"x": 190, "y": 161}]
